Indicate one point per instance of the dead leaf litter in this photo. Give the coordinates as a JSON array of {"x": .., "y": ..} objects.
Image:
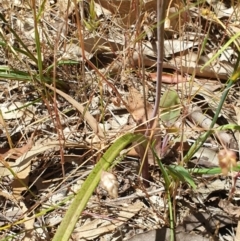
[{"x": 50, "y": 138}]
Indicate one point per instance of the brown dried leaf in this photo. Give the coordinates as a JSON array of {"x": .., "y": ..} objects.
[
  {"x": 24, "y": 160},
  {"x": 137, "y": 110},
  {"x": 18, "y": 186},
  {"x": 28, "y": 223},
  {"x": 20, "y": 183},
  {"x": 97, "y": 227},
  {"x": 87, "y": 116},
  {"x": 168, "y": 78},
  {"x": 229, "y": 208},
  {"x": 237, "y": 237},
  {"x": 136, "y": 106}
]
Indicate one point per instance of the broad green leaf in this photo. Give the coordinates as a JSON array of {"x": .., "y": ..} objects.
[
  {"x": 67, "y": 225},
  {"x": 169, "y": 105},
  {"x": 182, "y": 174}
]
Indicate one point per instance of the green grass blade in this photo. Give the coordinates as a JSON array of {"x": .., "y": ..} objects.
[
  {"x": 7, "y": 73},
  {"x": 18, "y": 39},
  {"x": 232, "y": 127},
  {"x": 38, "y": 45},
  {"x": 80, "y": 201},
  {"x": 163, "y": 170},
  {"x": 61, "y": 62},
  {"x": 200, "y": 141},
  {"x": 17, "y": 49},
  {"x": 232, "y": 39},
  {"x": 41, "y": 10},
  {"x": 210, "y": 171},
  {"x": 14, "y": 74},
  {"x": 182, "y": 174}
]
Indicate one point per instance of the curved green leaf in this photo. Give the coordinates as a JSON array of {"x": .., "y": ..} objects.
[
  {"x": 65, "y": 229},
  {"x": 169, "y": 105},
  {"x": 182, "y": 174}
]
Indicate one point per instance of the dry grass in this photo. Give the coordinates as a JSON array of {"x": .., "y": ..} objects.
[{"x": 66, "y": 70}]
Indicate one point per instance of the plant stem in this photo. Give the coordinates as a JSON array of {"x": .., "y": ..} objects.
[
  {"x": 161, "y": 14},
  {"x": 171, "y": 217}
]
